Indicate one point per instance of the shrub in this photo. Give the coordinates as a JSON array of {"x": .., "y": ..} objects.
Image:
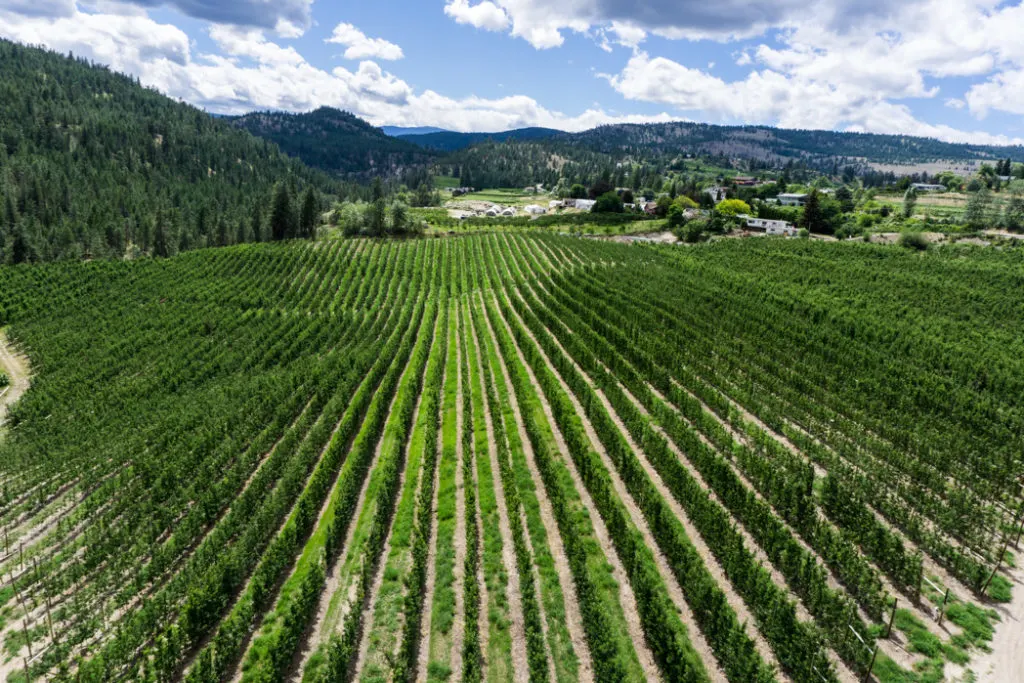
[
  {"x": 733, "y": 207},
  {"x": 609, "y": 202},
  {"x": 914, "y": 240},
  {"x": 4, "y": 380}
]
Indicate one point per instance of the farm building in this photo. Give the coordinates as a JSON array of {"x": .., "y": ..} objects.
[
  {"x": 792, "y": 199},
  {"x": 535, "y": 210},
  {"x": 770, "y": 227},
  {"x": 555, "y": 204},
  {"x": 585, "y": 204},
  {"x": 509, "y": 211},
  {"x": 928, "y": 187},
  {"x": 745, "y": 181}
]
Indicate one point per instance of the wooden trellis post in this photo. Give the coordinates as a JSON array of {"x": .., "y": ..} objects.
[
  {"x": 892, "y": 617},
  {"x": 999, "y": 563},
  {"x": 942, "y": 610}
]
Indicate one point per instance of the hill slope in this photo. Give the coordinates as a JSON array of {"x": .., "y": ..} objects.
[
  {"x": 448, "y": 141},
  {"x": 206, "y": 435},
  {"x": 772, "y": 144},
  {"x": 335, "y": 141},
  {"x": 91, "y": 163}
]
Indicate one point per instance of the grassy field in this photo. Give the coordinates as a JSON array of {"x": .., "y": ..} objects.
[
  {"x": 507, "y": 197},
  {"x": 514, "y": 456}
]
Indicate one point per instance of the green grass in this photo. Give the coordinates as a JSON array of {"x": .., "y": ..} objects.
[
  {"x": 499, "y": 643},
  {"x": 507, "y": 196},
  {"x": 552, "y": 598},
  {"x": 388, "y": 608},
  {"x": 442, "y": 182},
  {"x": 442, "y": 612}
]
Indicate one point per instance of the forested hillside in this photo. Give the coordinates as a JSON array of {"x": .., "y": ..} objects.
[
  {"x": 335, "y": 141},
  {"x": 774, "y": 144},
  {"x": 94, "y": 165},
  {"x": 450, "y": 141}
]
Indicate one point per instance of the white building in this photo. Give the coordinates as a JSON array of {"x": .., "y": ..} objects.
[
  {"x": 770, "y": 227},
  {"x": 535, "y": 210},
  {"x": 585, "y": 204},
  {"x": 793, "y": 199},
  {"x": 555, "y": 204},
  {"x": 509, "y": 212},
  {"x": 927, "y": 187},
  {"x": 717, "y": 193}
]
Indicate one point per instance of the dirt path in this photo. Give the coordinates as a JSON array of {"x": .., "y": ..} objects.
[
  {"x": 626, "y": 596},
  {"x": 574, "y": 619},
  {"x": 16, "y": 367},
  {"x": 1006, "y": 661},
  {"x": 672, "y": 586},
  {"x": 370, "y": 600},
  {"x": 458, "y": 586},
  {"x": 423, "y": 653},
  {"x": 520, "y": 662}
]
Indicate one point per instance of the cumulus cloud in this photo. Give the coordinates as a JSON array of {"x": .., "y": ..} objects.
[
  {"x": 542, "y": 22},
  {"x": 789, "y": 100},
  {"x": 39, "y": 8},
  {"x": 290, "y": 17},
  {"x": 485, "y": 15},
  {"x": 359, "y": 46},
  {"x": 250, "y": 71}
]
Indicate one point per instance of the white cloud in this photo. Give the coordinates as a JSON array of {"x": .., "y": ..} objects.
[
  {"x": 291, "y": 17},
  {"x": 485, "y": 15},
  {"x": 541, "y": 22},
  {"x": 789, "y": 100},
  {"x": 1002, "y": 92},
  {"x": 362, "y": 47},
  {"x": 955, "y": 103},
  {"x": 250, "y": 71}
]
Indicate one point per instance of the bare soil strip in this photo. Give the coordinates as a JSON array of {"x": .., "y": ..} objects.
[
  {"x": 906, "y": 601},
  {"x": 675, "y": 591},
  {"x": 423, "y": 651},
  {"x": 459, "y": 625},
  {"x": 16, "y": 367},
  {"x": 370, "y": 600},
  {"x": 626, "y": 596},
  {"x": 320, "y": 630},
  {"x": 574, "y": 618},
  {"x": 1006, "y": 660},
  {"x": 520, "y": 662}
]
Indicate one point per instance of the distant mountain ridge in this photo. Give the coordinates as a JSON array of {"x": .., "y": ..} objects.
[
  {"x": 402, "y": 131},
  {"x": 450, "y": 141},
  {"x": 335, "y": 141},
  {"x": 345, "y": 145},
  {"x": 766, "y": 143}
]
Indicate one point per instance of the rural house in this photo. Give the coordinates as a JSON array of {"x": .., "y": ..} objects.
[
  {"x": 792, "y": 199},
  {"x": 770, "y": 227}
]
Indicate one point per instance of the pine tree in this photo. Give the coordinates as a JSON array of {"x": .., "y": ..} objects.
[
  {"x": 161, "y": 243},
  {"x": 812, "y": 218},
  {"x": 909, "y": 203},
  {"x": 282, "y": 219},
  {"x": 979, "y": 206},
  {"x": 308, "y": 219},
  {"x": 256, "y": 223}
]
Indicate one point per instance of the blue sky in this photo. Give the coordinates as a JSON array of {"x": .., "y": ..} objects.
[{"x": 950, "y": 69}]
